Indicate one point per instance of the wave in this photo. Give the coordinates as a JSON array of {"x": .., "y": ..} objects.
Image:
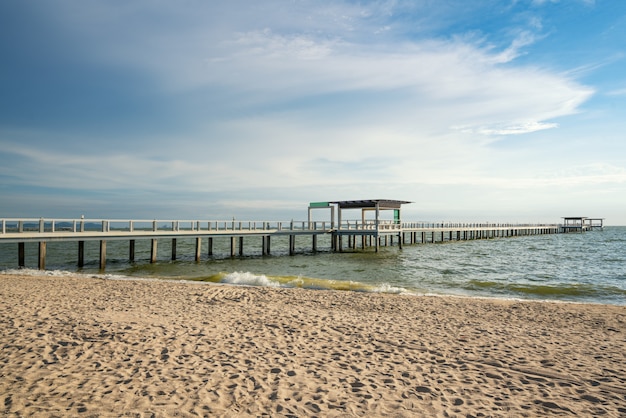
[
  {"x": 235, "y": 278},
  {"x": 577, "y": 290},
  {"x": 251, "y": 279}
]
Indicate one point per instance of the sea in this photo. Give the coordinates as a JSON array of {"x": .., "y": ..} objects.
[{"x": 587, "y": 267}]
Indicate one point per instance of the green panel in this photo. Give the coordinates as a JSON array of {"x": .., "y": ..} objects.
[
  {"x": 396, "y": 215},
  {"x": 319, "y": 204}
]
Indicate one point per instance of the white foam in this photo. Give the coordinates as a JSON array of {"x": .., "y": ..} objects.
[
  {"x": 387, "y": 288},
  {"x": 249, "y": 279}
]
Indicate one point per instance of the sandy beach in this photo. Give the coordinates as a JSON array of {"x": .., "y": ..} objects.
[{"x": 91, "y": 347}]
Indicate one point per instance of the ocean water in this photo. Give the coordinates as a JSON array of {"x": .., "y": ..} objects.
[{"x": 587, "y": 268}]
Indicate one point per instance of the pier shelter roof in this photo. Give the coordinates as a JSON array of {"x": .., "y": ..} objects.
[{"x": 370, "y": 203}]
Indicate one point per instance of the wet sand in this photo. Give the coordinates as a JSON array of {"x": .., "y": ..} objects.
[{"x": 76, "y": 346}]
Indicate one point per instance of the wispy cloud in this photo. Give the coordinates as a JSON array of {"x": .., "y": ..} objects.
[{"x": 244, "y": 99}]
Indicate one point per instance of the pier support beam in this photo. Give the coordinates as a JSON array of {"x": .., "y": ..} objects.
[
  {"x": 292, "y": 244},
  {"x": 131, "y": 251},
  {"x": 173, "y": 249},
  {"x": 42, "y": 255},
  {"x": 103, "y": 254},
  {"x": 210, "y": 251},
  {"x": 233, "y": 246},
  {"x": 153, "y": 251},
  {"x": 81, "y": 253},
  {"x": 241, "y": 246},
  {"x": 21, "y": 255},
  {"x": 198, "y": 248}
]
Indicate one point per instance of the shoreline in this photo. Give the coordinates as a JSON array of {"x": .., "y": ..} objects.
[
  {"x": 121, "y": 277},
  {"x": 85, "y": 346}
]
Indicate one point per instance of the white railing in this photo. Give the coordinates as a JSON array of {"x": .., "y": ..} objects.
[{"x": 43, "y": 225}]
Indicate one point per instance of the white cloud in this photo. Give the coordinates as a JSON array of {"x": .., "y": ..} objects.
[
  {"x": 330, "y": 98},
  {"x": 522, "y": 128}
]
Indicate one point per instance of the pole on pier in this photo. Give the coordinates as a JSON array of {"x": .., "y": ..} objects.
[
  {"x": 81, "y": 253},
  {"x": 241, "y": 246},
  {"x": 232, "y": 246},
  {"x": 292, "y": 244},
  {"x": 131, "y": 251},
  {"x": 314, "y": 243},
  {"x": 103, "y": 254},
  {"x": 198, "y": 248},
  {"x": 153, "y": 251},
  {"x": 42, "y": 255},
  {"x": 173, "y": 249},
  {"x": 210, "y": 246},
  {"x": 21, "y": 255}
]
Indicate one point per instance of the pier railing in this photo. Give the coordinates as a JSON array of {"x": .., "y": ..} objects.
[
  {"x": 48, "y": 225},
  {"x": 59, "y": 225}
]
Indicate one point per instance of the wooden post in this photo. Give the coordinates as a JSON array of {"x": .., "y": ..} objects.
[
  {"x": 292, "y": 244},
  {"x": 153, "y": 250},
  {"x": 268, "y": 247},
  {"x": 232, "y": 246},
  {"x": 103, "y": 254},
  {"x": 42, "y": 255},
  {"x": 21, "y": 255},
  {"x": 198, "y": 248},
  {"x": 241, "y": 246},
  {"x": 210, "y": 246},
  {"x": 173, "y": 248},
  {"x": 81, "y": 253},
  {"x": 131, "y": 251},
  {"x": 314, "y": 243}
]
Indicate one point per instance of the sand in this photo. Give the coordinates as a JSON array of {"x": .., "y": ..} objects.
[{"x": 90, "y": 347}]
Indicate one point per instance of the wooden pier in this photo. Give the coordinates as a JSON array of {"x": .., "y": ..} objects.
[
  {"x": 370, "y": 230},
  {"x": 348, "y": 235}
]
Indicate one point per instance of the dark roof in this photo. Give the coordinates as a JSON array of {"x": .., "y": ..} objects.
[{"x": 370, "y": 203}]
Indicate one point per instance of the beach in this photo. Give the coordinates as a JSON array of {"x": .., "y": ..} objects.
[{"x": 94, "y": 347}]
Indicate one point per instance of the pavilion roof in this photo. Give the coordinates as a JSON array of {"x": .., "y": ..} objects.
[{"x": 370, "y": 203}]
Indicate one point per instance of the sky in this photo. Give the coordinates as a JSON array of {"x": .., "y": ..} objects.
[{"x": 475, "y": 111}]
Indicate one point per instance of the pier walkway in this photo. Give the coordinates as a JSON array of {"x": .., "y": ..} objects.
[{"x": 344, "y": 234}]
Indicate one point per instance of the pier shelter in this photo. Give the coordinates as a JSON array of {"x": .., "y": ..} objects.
[
  {"x": 365, "y": 227},
  {"x": 581, "y": 223}
]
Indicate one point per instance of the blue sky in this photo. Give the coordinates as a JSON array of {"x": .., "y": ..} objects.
[{"x": 484, "y": 110}]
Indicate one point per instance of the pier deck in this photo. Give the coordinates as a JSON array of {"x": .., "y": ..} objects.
[{"x": 344, "y": 234}]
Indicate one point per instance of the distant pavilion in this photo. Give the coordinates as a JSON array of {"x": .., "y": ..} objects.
[
  {"x": 373, "y": 228},
  {"x": 581, "y": 223}
]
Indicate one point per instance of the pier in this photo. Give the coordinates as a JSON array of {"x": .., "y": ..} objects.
[{"x": 370, "y": 230}]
